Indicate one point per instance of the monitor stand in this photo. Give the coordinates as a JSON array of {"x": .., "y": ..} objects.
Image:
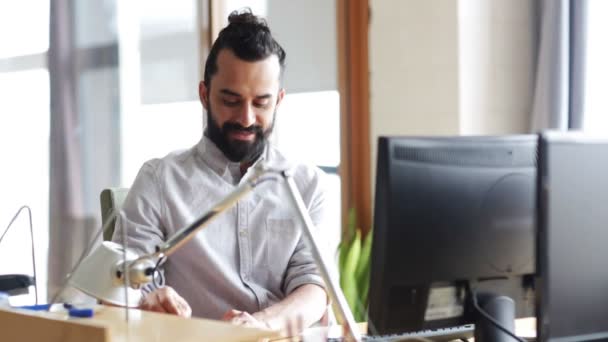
[{"x": 502, "y": 309}]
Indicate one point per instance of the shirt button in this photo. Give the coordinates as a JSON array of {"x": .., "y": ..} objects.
[{"x": 243, "y": 233}]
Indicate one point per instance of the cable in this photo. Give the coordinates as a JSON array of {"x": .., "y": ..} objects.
[
  {"x": 157, "y": 277},
  {"x": 32, "y": 245},
  {"x": 488, "y": 317}
]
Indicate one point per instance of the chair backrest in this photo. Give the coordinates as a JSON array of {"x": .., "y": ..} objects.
[{"x": 111, "y": 199}]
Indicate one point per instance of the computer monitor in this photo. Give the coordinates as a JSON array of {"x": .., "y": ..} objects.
[
  {"x": 450, "y": 212},
  {"x": 572, "y": 284}
]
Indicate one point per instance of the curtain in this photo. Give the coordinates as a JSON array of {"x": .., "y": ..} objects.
[
  {"x": 69, "y": 228},
  {"x": 559, "y": 88}
]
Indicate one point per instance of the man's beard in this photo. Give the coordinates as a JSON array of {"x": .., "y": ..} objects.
[{"x": 238, "y": 150}]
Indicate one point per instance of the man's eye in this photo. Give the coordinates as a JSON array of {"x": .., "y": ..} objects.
[
  {"x": 263, "y": 104},
  {"x": 231, "y": 103}
]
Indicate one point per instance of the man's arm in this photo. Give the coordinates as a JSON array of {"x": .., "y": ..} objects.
[
  {"x": 166, "y": 300},
  {"x": 304, "y": 306},
  {"x": 140, "y": 218},
  {"x": 307, "y": 303},
  {"x": 306, "y": 299}
]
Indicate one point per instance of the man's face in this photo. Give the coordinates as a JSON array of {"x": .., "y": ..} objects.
[{"x": 241, "y": 101}]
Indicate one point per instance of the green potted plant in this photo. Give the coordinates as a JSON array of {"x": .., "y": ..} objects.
[{"x": 354, "y": 264}]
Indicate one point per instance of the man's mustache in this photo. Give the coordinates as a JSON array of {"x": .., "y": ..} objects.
[{"x": 239, "y": 128}]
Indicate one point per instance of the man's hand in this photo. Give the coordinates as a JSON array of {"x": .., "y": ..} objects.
[
  {"x": 166, "y": 300},
  {"x": 245, "y": 319}
]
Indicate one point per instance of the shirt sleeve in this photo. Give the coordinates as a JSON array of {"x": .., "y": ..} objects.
[
  {"x": 302, "y": 268},
  {"x": 141, "y": 214}
]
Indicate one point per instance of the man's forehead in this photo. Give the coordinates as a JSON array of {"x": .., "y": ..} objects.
[{"x": 231, "y": 69}]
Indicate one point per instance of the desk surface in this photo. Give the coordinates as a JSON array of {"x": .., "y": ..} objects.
[{"x": 108, "y": 324}]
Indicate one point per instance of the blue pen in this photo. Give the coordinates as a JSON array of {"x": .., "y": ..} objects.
[{"x": 81, "y": 313}]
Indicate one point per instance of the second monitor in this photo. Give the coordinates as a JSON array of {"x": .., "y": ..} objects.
[{"x": 453, "y": 216}]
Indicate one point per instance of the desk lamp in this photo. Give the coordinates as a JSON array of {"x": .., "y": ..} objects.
[{"x": 115, "y": 274}]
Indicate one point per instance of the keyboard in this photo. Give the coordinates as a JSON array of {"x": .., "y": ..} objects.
[{"x": 447, "y": 334}]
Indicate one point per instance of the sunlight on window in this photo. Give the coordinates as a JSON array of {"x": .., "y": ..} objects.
[
  {"x": 155, "y": 130},
  {"x": 24, "y": 145},
  {"x": 161, "y": 17},
  {"x": 308, "y": 127},
  {"x": 596, "y": 102},
  {"x": 24, "y": 27}
]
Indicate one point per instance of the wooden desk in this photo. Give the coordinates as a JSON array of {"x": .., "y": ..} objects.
[{"x": 108, "y": 325}]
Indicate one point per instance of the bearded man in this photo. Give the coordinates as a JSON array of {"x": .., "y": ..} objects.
[{"x": 250, "y": 266}]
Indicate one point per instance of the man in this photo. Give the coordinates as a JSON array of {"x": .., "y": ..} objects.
[{"x": 250, "y": 266}]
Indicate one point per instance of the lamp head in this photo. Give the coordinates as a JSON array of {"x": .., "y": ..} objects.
[{"x": 102, "y": 275}]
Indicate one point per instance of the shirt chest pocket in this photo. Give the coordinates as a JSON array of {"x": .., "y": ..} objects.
[{"x": 282, "y": 239}]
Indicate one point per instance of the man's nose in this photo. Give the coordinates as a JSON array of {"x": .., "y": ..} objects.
[{"x": 247, "y": 116}]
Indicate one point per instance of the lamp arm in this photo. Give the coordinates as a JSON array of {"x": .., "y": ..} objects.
[{"x": 345, "y": 315}]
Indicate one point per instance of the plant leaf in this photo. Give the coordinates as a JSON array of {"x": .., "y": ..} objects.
[
  {"x": 364, "y": 258},
  {"x": 348, "y": 282}
]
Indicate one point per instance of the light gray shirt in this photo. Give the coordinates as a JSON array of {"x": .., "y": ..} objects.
[{"x": 251, "y": 256}]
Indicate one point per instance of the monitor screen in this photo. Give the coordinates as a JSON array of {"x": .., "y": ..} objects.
[
  {"x": 573, "y": 238},
  {"x": 451, "y": 212}
]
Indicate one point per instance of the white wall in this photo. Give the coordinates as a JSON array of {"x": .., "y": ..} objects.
[
  {"x": 413, "y": 48},
  {"x": 449, "y": 67},
  {"x": 414, "y": 67},
  {"x": 497, "y": 42}
]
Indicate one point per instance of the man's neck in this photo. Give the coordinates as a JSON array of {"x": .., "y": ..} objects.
[{"x": 245, "y": 167}]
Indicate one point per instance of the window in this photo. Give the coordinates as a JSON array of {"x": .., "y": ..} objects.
[
  {"x": 307, "y": 129},
  {"x": 160, "y": 73},
  {"x": 24, "y": 28},
  {"x": 24, "y": 137},
  {"x": 155, "y": 130},
  {"x": 308, "y": 126},
  {"x": 595, "y": 101}
]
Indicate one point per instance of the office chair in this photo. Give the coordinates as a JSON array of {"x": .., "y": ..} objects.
[{"x": 111, "y": 199}]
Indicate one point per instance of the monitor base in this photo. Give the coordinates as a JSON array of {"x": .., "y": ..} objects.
[{"x": 502, "y": 309}]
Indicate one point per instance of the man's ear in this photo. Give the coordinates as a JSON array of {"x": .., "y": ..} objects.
[
  {"x": 203, "y": 94},
  {"x": 280, "y": 97}
]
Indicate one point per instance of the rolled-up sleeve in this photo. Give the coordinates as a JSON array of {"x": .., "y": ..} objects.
[{"x": 302, "y": 268}]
